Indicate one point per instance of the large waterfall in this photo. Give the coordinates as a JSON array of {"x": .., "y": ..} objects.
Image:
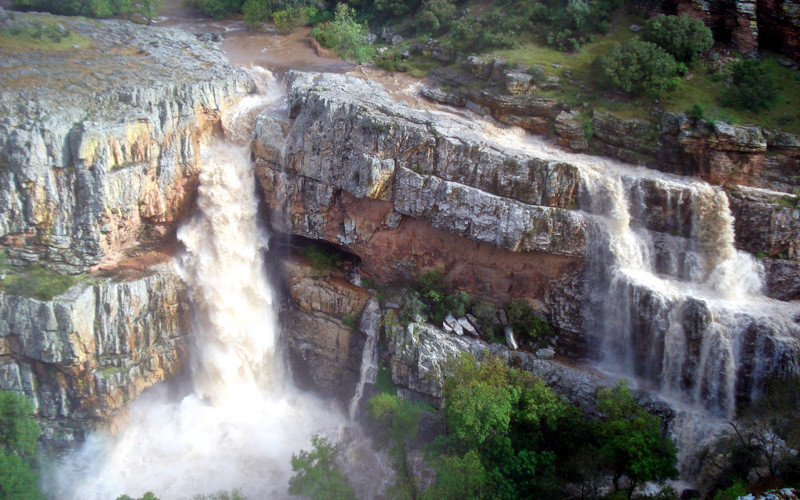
[{"x": 241, "y": 421}]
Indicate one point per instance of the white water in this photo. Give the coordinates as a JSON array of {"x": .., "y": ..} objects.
[
  {"x": 673, "y": 305},
  {"x": 370, "y": 325},
  {"x": 242, "y": 421}
]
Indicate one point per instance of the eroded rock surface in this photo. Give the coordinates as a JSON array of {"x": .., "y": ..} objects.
[
  {"x": 84, "y": 355},
  {"x": 99, "y": 145}
]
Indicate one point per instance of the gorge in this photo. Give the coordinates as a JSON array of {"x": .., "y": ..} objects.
[{"x": 186, "y": 201}]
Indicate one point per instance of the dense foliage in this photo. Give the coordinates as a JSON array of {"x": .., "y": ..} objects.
[
  {"x": 637, "y": 67},
  {"x": 316, "y": 475},
  {"x": 19, "y": 434},
  {"x": 751, "y": 86},
  {"x": 526, "y": 322},
  {"x": 683, "y": 37},
  {"x": 345, "y": 35},
  {"x": 93, "y": 8},
  {"x": 510, "y": 436}
]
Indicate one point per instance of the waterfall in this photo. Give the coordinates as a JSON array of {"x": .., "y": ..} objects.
[
  {"x": 370, "y": 325},
  {"x": 241, "y": 422},
  {"x": 673, "y": 304}
]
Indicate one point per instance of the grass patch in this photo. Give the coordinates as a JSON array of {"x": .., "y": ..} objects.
[
  {"x": 322, "y": 260},
  {"x": 40, "y": 34},
  {"x": 383, "y": 381},
  {"x": 37, "y": 282},
  {"x": 703, "y": 88}
]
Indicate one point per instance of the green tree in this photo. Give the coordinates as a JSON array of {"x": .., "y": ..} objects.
[
  {"x": 398, "y": 422},
  {"x": 752, "y": 86},
  {"x": 148, "y": 9},
  {"x": 19, "y": 434},
  {"x": 682, "y": 36},
  {"x": 632, "y": 440},
  {"x": 256, "y": 12},
  {"x": 316, "y": 476},
  {"x": 147, "y": 496},
  {"x": 637, "y": 67},
  {"x": 345, "y": 35},
  {"x": 457, "y": 478}
]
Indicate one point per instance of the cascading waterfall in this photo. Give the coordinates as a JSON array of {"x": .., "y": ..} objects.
[
  {"x": 370, "y": 325},
  {"x": 241, "y": 423},
  {"x": 672, "y": 303}
]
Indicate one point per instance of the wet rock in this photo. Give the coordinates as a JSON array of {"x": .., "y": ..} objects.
[
  {"x": 115, "y": 145},
  {"x": 324, "y": 350},
  {"x": 570, "y": 132},
  {"x": 84, "y": 355}
]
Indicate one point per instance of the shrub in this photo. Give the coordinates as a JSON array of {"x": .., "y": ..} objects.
[
  {"x": 316, "y": 476},
  {"x": 322, "y": 260},
  {"x": 37, "y": 282},
  {"x": 752, "y": 87},
  {"x": 256, "y": 12},
  {"x": 345, "y": 35},
  {"x": 526, "y": 322},
  {"x": 696, "y": 112},
  {"x": 291, "y": 17},
  {"x": 682, "y": 36},
  {"x": 636, "y": 67}
]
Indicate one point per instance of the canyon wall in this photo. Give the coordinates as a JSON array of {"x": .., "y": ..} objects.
[{"x": 99, "y": 151}]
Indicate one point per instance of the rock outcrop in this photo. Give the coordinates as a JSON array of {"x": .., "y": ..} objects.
[
  {"x": 405, "y": 193},
  {"x": 99, "y": 156},
  {"x": 99, "y": 153},
  {"x": 84, "y": 355}
]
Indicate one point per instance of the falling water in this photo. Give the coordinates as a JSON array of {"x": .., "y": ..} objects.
[
  {"x": 370, "y": 325},
  {"x": 672, "y": 303},
  {"x": 242, "y": 421}
]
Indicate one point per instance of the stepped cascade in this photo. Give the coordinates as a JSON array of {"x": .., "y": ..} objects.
[{"x": 670, "y": 301}]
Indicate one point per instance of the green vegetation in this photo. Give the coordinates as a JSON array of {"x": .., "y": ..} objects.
[
  {"x": 683, "y": 37},
  {"x": 323, "y": 260},
  {"x": 316, "y": 475},
  {"x": 286, "y": 14},
  {"x": 39, "y": 34},
  {"x": 752, "y": 87},
  {"x": 639, "y": 68},
  {"x": 217, "y": 9},
  {"x": 19, "y": 433},
  {"x": 526, "y": 322},
  {"x": 513, "y": 436},
  {"x": 37, "y": 282},
  {"x": 632, "y": 440},
  {"x": 147, "y": 496},
  {"x": 345, "y": 35},
  {"x": 397, "y": 426},
  {"x": 437, "y": 299},
  {"x": 93, "y": 8}
]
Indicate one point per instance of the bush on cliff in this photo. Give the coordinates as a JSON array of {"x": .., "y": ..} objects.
[
  {"x": 752, "y": 86},
  {"x": 683, "y": 37},
  {"x": 637, "y": 67}
]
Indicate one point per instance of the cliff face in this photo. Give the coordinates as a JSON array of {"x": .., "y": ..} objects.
[
  {"x": 98, "y": 154},
  {"x": 352, "y": 167},
  {"x": 83, "y": 355}
]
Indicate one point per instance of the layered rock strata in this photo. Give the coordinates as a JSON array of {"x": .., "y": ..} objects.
[
  {"x": 408, "y": 191},
  {"x": 84, "y": 355},
  {"x": 99, "y": 153}
]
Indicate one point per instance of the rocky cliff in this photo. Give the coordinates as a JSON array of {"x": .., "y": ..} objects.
[
  {"x": 99, "y": 149},
  {"x": 99, "y": 153},
  {"x": 407, "y": 191},
  {"x": 84, "y": 355}
]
